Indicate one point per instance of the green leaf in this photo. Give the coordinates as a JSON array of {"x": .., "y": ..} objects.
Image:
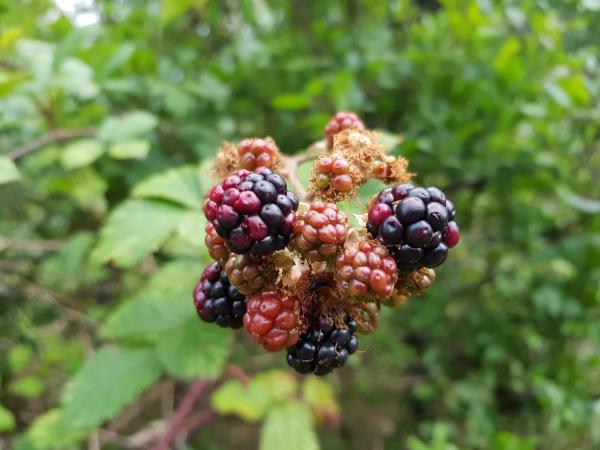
[
  {"x": 164, "y": 304},
  {"x": 81, "y": 153},
  {"x": 133, "y": 149},
  {"x": 320, "y": 396},
  {"x": 28, "y": 387},
  {"x": 52, "y": 430},
  {"x": 127, "y": 126},
  {"x": 8, "y": 170},
  {"x": 183, "y": 185},
  {"x": 7, "y": 420},
  {"x": 108, "y": 380},
  {"x": 253, "y": 400},
  {"x": 291, "y": 102},
  {"x": 19, "y": 357},
  {"x": 195, "y": 350},
  {"x": 134, "y": 229},
  {"x": 289, "y": 426}
]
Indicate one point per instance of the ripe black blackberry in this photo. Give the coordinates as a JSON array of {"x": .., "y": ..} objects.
[
  {"x": 323, "y": 348},
  {"x": 252, "y": 211},
  {"x": 216, "y": 300},
  {"x": 417, "y": 224}
]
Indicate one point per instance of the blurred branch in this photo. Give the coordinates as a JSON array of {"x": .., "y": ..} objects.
[
  {"x": 185, "y": 407},
  {"x": 40, "y": 245},
  {"x": 51, "y": 298},
  {"x": 52, "y": 137}
]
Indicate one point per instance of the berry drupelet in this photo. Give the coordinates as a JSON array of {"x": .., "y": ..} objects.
[
  {"x": 366, "y": 270},
  {"x": 216, "y": 300},
  {"x": 252, "y": 211},
  {"x": 342, "y": 121},
  {"x": 320, "y": 231},
  {"x": 249, "y": 275},
  {"x": 417, "y": 224},
  {"x": 323, "y": 348},
  {"x": 272, "y": 320},
  {"x": 335, "y": 177},
  {"x": 215, "y": 245}
]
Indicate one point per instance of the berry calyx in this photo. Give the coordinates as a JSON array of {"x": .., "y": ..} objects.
[
  {"x": 258, "y": 152},
  {"x": 320, "y": 231},
  {"x": 252, "y": 211},
  {"x": 339, "y": 122},
  {"x": 417, "y": 224},
  {"x": 366, "y": 270},
  {"x": 323, "y": 348},
  {"x": 272, "y": 320},
  {"x": 216, "y": 300}
]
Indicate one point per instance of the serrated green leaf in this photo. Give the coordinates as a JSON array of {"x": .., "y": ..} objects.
[
  {"x": 195, "y": 350},
  {"x": 289, "y": 426},
  {"x": 52, "y": 430},
  {"x": 164, "y": 304},
  {"x": 127, "y": 126},
  {"x": 183, "y": 185},
  {"x": 253, "y": 400},
  {"x": 8, "y": 171},
  {"x": 134, "y": 229},
  {"x": 81, "y": 153},
  {"x": 108, "y": 380},
  {"x": 132, "y": 149},
  {"x": 7, "y": 420}
]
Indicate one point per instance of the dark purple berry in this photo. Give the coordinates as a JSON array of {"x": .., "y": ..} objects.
[
  {"x": 272, "y": 216},
  {"x": 436, "y": 215},
  {"x": 419, "y": 234},
  {"x": 390, "y": 231},
  {"x": 285, "y": 204},
  {"x": 265, "y": 191},
  {"x": 436, "y": 195},
  {"x": 277, "y": 181},
  {"x": 410, "y": 210},
  {"x": 421, "y": 193},
  {"x": 435, "y": 256}
]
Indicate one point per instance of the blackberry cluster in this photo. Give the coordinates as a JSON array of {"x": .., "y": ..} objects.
[
  {"x": 216, "y": 300},
  {"x": 257, "y": 152},
  {"x": 366, "y": 270},
  {"x": 249, "y": 275},
  {"x": 342, "y": 121},
  {"x": 320, "y": 231},
  {"x": 417, "y": 224},
  {"x": 272, "y": 320},
  {"x": 215, "y": 244},
  {"x": 323, "y": 348},
  {"x": 252, "y": 211}
]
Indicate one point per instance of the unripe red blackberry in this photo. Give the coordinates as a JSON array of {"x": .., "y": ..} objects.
[
  {"x": 320, "y": 231},
  {"x": 342, "y": 121},
  {"x": 252, "y": 211},
  {"x": 216, "y": 300},
  {"x": 417, "y": 224},
  {"x": 258, "y": 152},
  {"x": 366, "y": 270},
  {"x": 335, "y": 177},
  {"x": 272, "y": 320},
  {"x": 323, "y": 348},
  {"x": 249, "y": 275},
  {"x": 215, "y": 245}
]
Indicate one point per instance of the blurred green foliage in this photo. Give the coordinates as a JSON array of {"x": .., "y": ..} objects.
[{"x": 109, "y": 116}]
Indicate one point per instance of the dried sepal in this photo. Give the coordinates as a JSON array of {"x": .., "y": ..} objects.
[
  {"x": 415, "y": 283},
  {"x": 226, "y": 160},
  {"x": 366, "y": 316},
  {"x": 335, "y": 177},
  {"x": 361, "y": 147},
  {"x": 391, "y": 170}
]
